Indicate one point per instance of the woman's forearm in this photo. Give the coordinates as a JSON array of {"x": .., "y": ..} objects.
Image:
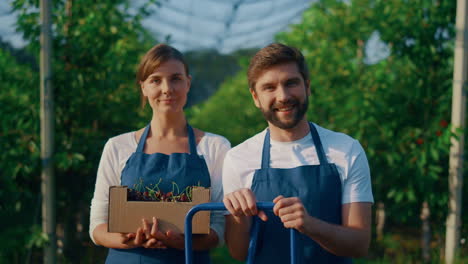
[
  {"x": 109, "y": 240},
  {"x": 205, "y": 242}
]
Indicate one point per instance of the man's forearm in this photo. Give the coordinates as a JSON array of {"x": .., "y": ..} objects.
[
  {"x": 237, "y": 235},
  {"x": 339, "y": 240}
]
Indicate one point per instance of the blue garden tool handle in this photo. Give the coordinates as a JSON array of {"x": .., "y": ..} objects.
[{"x": 253, "y": 234}]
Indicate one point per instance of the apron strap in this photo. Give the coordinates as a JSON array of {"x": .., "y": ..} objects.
[
  {"x": 141, "y": 144},
  {"x": 191, "y": 138},
  {"x": 192, "y": 142},
  {"x": 315, "y": 138},
  {"x": 266, "y": 151},
  {"x": 318, "y": 145}
]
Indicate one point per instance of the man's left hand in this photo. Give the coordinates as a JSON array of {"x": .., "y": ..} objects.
[{"x": 292, "y": 213}]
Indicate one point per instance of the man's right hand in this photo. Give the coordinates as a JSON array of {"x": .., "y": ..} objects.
[{"x": 243, "y": 203}]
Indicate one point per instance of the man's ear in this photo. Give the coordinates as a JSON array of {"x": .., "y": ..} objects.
[
  {"x": 255, "y": 97},
  {"x": 308, "y": 87}
]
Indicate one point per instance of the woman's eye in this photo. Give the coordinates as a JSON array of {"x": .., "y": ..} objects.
[{"x": 156, "y": 81}]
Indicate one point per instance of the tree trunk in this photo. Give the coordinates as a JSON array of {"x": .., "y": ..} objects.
[
  {"x": 380, "y": 220},
  {"x": 425, "y": 233}
]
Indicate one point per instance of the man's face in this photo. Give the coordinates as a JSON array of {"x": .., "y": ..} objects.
[{"x": 282, "y": 96}]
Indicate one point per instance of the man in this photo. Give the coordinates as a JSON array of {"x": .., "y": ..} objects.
[{"x": 318, "y": 179}]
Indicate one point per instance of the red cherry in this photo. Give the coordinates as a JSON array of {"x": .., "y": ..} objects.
[
  {"x": 158, "y": 195},
  {"x": 167, "y": 197},
  {"x": 419, "y": 141},
  {"x": 183, "y": 198},
  {"x": 443, "y": 123}
]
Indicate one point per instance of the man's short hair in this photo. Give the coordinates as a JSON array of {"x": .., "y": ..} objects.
[{"x": 272, "y": 55}]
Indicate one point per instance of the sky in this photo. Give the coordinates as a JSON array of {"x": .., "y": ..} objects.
[{"x": 7, "y": 25}]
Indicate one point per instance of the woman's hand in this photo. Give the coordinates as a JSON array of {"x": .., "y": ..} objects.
[
  {"x": 158, "y": 239},
  {"x": 131, "y": 240},
  {"x": 172, "y": 239}
]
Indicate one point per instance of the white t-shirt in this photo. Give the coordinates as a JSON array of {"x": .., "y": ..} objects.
[
  {"x": 345, "y": 152},
  {"x": 118, "y": 149}
]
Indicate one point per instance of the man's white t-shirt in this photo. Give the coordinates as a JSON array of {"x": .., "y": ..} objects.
[
  {"x": 345, "y": 152},
  {"x": 118, "y": 149}
]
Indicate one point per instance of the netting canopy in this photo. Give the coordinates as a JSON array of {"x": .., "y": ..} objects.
[{"x": 225, "y": 25}]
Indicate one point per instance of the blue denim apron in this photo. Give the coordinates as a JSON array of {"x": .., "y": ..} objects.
[
  {"x": 318, "y": 187},
  {"x": 148, "y": 169}
]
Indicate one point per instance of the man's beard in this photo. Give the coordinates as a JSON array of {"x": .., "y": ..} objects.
[{"x": 301, "y": 108}]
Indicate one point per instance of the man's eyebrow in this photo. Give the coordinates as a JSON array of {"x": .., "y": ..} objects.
[{"x": 296, "y": 79}]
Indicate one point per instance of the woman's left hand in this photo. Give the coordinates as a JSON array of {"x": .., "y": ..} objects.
[
  {"x": 158, "y": 239},
  {"x": 173, "y": 239}
]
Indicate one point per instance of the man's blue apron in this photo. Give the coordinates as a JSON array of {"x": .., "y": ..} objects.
[
  {"x": 318, "y": 187},
  {"x": 147, "y": 170}
]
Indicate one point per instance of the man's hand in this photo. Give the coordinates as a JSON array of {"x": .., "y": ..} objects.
[
  {"x": 243, "y": 203},
  {"x": 292, "y": 213}
]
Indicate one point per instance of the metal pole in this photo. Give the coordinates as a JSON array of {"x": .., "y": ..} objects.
[
  {"x": 253, "y": 235},
  {"x": 47, "y": 135},
  {"x": 458, "y": 122}
]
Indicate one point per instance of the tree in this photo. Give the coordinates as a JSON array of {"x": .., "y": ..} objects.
[
  {"x": 19, "y": 160},
  {"x": 97, "y": 46},
  {"x": 209, "y": 69},
  {"x": 398, "y": 107}
]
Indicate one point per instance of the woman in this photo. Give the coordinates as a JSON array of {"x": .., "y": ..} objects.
[{"x": 167, "y": 150}]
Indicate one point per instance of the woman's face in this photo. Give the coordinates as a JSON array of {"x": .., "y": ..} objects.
[{"x": 167, "y": 87}]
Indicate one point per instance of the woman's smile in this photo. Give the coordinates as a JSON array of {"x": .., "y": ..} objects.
[{"x": 167, "y": 101}]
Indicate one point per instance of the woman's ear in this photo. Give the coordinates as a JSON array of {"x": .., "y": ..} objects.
[
  {"x": 142, "y": 87},
  {"x": 189, "y": 81}
]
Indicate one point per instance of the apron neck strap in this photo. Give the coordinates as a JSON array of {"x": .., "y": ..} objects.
[
  {"x": 192, "y": 142},
  {"x": 141, "y": 143},
  {"x": 266, "y": 151},
  {"x": 315, "y": 138},
  {"x": 318, "y": 145},
  {"x": 191, "y": 139}
]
